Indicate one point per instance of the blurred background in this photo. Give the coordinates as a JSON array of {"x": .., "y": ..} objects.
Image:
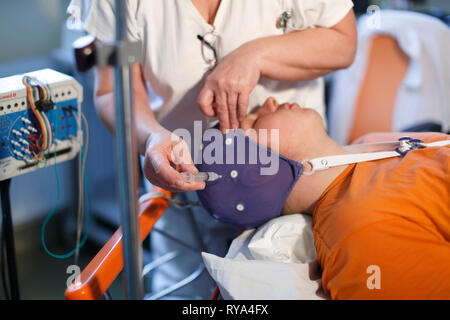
[{"x": 34, "y": 35}]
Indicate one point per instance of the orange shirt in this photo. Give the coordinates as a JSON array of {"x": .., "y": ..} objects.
[{"x": 392, "y": 215}]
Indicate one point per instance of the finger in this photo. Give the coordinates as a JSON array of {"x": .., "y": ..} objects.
[
  {"x": 242, "y": 105},
  {"x": 165, "y": 175},
  {"x": 205, "y": 102},
  {"x": 222, "y": 111},
  {"x": 181, "y": 156},
  {"x": 194, "y": 186},
  {"x": 189, "y": 186},
  {"x": 180, "y": 153},
  {"x": 188, "y": 167},
  {"x": 171, "y": 180},
  {"x": 232, "y": 99},
  {"x": 184, "y": 186}
]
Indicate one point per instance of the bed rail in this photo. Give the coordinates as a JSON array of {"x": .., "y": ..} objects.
[{"x": 98, "y": 275}]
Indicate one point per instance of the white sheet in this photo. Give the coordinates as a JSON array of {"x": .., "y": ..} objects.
[{"x": 275, "y": 261}]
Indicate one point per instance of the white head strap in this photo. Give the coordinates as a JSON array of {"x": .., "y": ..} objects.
[{"x": 370, "y": 152}]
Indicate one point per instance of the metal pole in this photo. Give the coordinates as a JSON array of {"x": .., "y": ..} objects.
[
  {"x": 127, "y": 160},
  {"x": 8, "y": 233}
]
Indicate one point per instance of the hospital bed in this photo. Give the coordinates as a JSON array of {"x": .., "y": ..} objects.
[{"x": 284, "y": 244}]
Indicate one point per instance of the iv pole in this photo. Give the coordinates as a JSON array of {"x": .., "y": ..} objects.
[
  {"x": 127, "y": 156},
  {"x": 121, "y": 54}
]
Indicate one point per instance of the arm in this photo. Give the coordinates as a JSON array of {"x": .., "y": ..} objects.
[
  {"x": 145, "y": 120},
  {"x": 166, "y": 155},
  {"x": 306, "y": 54},
  {"x": 295, "y": 56}
]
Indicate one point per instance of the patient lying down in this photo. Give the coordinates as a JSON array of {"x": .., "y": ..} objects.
[{"x": 381, "y": 228}]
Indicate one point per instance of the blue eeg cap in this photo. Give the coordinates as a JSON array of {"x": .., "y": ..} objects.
[{"x": 245, "y": 197}]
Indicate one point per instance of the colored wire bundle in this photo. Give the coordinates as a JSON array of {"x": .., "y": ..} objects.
[
  {"x": 39, "y": 93},
  {"x": 40, "y": 96}
]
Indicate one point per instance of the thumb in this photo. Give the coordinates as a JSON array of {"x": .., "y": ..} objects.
[{"x": 181, "y": 157}]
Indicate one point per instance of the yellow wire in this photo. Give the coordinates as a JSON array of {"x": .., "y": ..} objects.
[{"x": 44, "y": 144}]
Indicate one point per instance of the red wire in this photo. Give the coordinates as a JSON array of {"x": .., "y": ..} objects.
[{"x": 216, "y": 293}]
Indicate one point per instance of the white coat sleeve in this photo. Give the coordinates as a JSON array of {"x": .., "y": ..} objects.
[
  {"x": 316, "y": 13},
  {"x": 100, "y": 20}
]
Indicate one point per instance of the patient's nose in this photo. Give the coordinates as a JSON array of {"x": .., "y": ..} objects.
[{"x": 272, "y": 104}]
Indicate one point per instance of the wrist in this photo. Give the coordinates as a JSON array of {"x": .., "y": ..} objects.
[
  {"x": 144, "y": 145},
  {"x": 255, "y": 51},
  {"x": 147, "y": 138}
]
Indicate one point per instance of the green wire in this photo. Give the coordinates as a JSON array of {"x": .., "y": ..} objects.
[{"x": 58, "y": 196}]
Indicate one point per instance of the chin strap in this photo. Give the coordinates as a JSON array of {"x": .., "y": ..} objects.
[{"x": 369, "y": 152}]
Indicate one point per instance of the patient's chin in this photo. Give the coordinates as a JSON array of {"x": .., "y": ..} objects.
[
  {"x": 288, "y": 208},
  {"x": 292, "y": 205}
]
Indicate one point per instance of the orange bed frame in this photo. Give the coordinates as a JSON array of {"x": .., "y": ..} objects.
[{"x": 99, "y": 274}]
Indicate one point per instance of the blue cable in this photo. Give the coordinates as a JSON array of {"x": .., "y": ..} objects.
[{"x": 53, "y": 211}]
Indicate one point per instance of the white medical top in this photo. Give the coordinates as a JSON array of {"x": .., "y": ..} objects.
[{"x": 173, "y": 64}]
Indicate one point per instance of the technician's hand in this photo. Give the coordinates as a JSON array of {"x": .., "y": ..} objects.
[
  {"x": 227, "y": 89},
  {"x": 166, "y": 156}
]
